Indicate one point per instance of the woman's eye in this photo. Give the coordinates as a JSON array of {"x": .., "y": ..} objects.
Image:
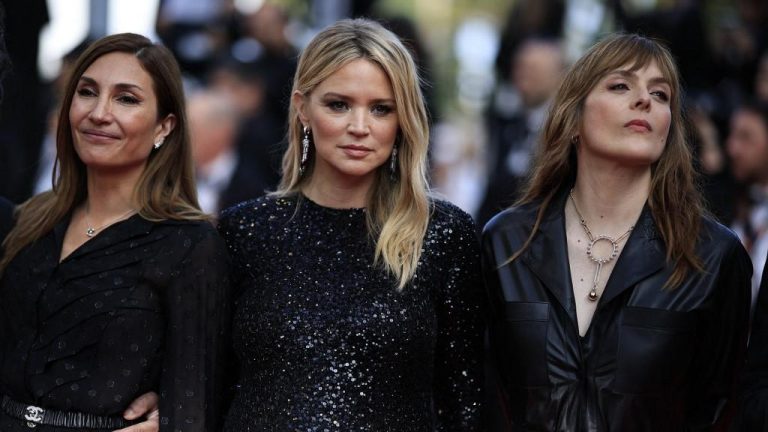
[
  {"x": 85, "y": 91},
  {"x": 128, "y": 99},
  {"x": 618, "y": 86},
  {"x": 381, "y": 109},
  {"x": 337, "y": 105},
  {"x": 662, "y": 95}
]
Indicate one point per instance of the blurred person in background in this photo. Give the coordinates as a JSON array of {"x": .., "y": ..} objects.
[
  {"x": 747, "y": 148},
  {"x": 761, "y": 79},
  {"x": 195, "y": 32},
  {"x": 260, "y": 135},
  {"x": 267, "y": 27},
  {"x": 717, "y": 184},
  {"x": 222, "y": 178},
  {"x": 23, "y": 113},
  {"x": 515, "y": 119}
]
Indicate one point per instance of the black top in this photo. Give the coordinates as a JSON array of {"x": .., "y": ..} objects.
[
  {"x": 753, "y": 413},
  {"x": 6, "y": 217},
  {"x": 141, "y": 306},
  {"x": 653, "y": 359},
  {"x": 327, "y": 343}
]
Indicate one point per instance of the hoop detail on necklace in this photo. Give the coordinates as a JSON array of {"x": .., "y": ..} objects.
[{"x": 593, "y": 296}]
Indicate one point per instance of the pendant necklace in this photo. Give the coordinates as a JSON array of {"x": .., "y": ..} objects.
[
  {"x": 593, "y": 296},
  {"x": 91, "y": 231}
]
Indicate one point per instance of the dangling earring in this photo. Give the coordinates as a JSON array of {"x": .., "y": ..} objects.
[
  {"x": 393, "y": 164},
  {"x": 304, "y": 151},
  {"x": 159, "y": 143}
]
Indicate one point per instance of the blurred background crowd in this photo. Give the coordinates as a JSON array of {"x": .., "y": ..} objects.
[{"x": 489, "y": 68}]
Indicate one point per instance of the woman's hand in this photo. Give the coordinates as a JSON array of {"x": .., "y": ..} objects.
[{"x": 145, "y": 405}]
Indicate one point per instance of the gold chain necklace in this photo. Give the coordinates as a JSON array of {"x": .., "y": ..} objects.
[
  {"x": 91, "y": 231},
  {"x": 593, "y": 296}
]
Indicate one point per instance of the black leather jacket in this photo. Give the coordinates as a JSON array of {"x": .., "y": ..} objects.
[{"x": 653, "y": 359}]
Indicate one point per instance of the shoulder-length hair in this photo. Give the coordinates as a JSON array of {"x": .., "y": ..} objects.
[
  {"x": 166, "y": 188},
  {"x": 674, "y": 200},
  {"x": 398, "y": 210}
]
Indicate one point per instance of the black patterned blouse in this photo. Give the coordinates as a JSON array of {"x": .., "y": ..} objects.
[
  {"x": 326, "y": 342},
  {"x": 141, "y": 306}
]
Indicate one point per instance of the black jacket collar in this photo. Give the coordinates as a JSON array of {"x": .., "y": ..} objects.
[{"x": 547, "y": 255}]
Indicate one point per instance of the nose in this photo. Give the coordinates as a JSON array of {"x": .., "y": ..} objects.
[
  {"x": 642, "y": 101},
  {"x": 101, "y": 112},
  {"x": 358, "y": 123}
]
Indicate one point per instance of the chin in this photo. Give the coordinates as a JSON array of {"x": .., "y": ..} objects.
[{"x": 357, "y": 170}]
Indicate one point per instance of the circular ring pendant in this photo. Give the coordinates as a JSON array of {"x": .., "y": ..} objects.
[{"x": 609, "y": 257}]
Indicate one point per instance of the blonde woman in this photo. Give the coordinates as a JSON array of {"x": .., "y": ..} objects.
[
  {"x": 114, "y": 283},
  {"x": 359, "y": 295},
  {"x": 617, "y": 303}
]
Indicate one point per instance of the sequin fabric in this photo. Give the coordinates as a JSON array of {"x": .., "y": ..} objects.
[
  {"x": 325, "y": 342},
  {"x": 141, "y": 306}
]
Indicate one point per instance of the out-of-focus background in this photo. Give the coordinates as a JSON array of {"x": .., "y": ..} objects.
[{"x": 490, "y": 68}]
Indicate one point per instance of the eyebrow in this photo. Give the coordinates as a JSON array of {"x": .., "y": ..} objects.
[
  {"x": 628, "y": 74},
  {"x": 344, "y": 97},
  {"x": 119, "y": 86}
]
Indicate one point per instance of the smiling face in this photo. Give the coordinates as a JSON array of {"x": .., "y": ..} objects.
[
  {"x": 114, "y": 115},
  {"x": 626, "y": 117},
  {"x": 353, "y": 119}
]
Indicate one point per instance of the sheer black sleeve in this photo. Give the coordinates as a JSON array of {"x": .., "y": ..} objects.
[{"x": 196, "y": 358}]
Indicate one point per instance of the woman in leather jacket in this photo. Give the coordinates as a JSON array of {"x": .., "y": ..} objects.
[{"x": 617, "y": 304}]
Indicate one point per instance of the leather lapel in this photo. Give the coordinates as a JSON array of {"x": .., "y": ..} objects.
[
  {"x": 547, "y": 256},
  {"x": 642, "y": 256}
]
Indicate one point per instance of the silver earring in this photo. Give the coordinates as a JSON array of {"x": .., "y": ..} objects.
[
  {"x": 393, "y": 164},
  {"x": 575, "y": 139},
  {"x": 304, "y": 151},
  {"x": 159, "y": 143}
]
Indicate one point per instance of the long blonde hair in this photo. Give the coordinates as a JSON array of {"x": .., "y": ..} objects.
[
  {"x": 166, "y": 188},
  {"x": 674, "y": 200},
  {"x": 398, "y": 211}
]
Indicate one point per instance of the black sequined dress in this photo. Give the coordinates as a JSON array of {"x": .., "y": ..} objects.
[{"x": 325, "y": 341}]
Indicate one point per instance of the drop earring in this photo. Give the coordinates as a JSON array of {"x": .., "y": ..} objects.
[
  {"x": 304, "y": 151},
  {"x": 393, "y": 164},
  {"x": 158, "y": 143}
]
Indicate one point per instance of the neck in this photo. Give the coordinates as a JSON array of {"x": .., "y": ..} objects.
[
  {"x": 109, "y": 196},
  {"x": 611, "y": 199},
  {"x": 338, "y": 191}
]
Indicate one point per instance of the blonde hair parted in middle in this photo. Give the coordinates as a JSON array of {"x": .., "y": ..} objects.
[{"x": 397, "y": 210}]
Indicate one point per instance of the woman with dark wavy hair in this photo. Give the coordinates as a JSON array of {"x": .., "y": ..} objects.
[
  {"x": 114, "y": 283},
  {"x": 617, "y": 303}
]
